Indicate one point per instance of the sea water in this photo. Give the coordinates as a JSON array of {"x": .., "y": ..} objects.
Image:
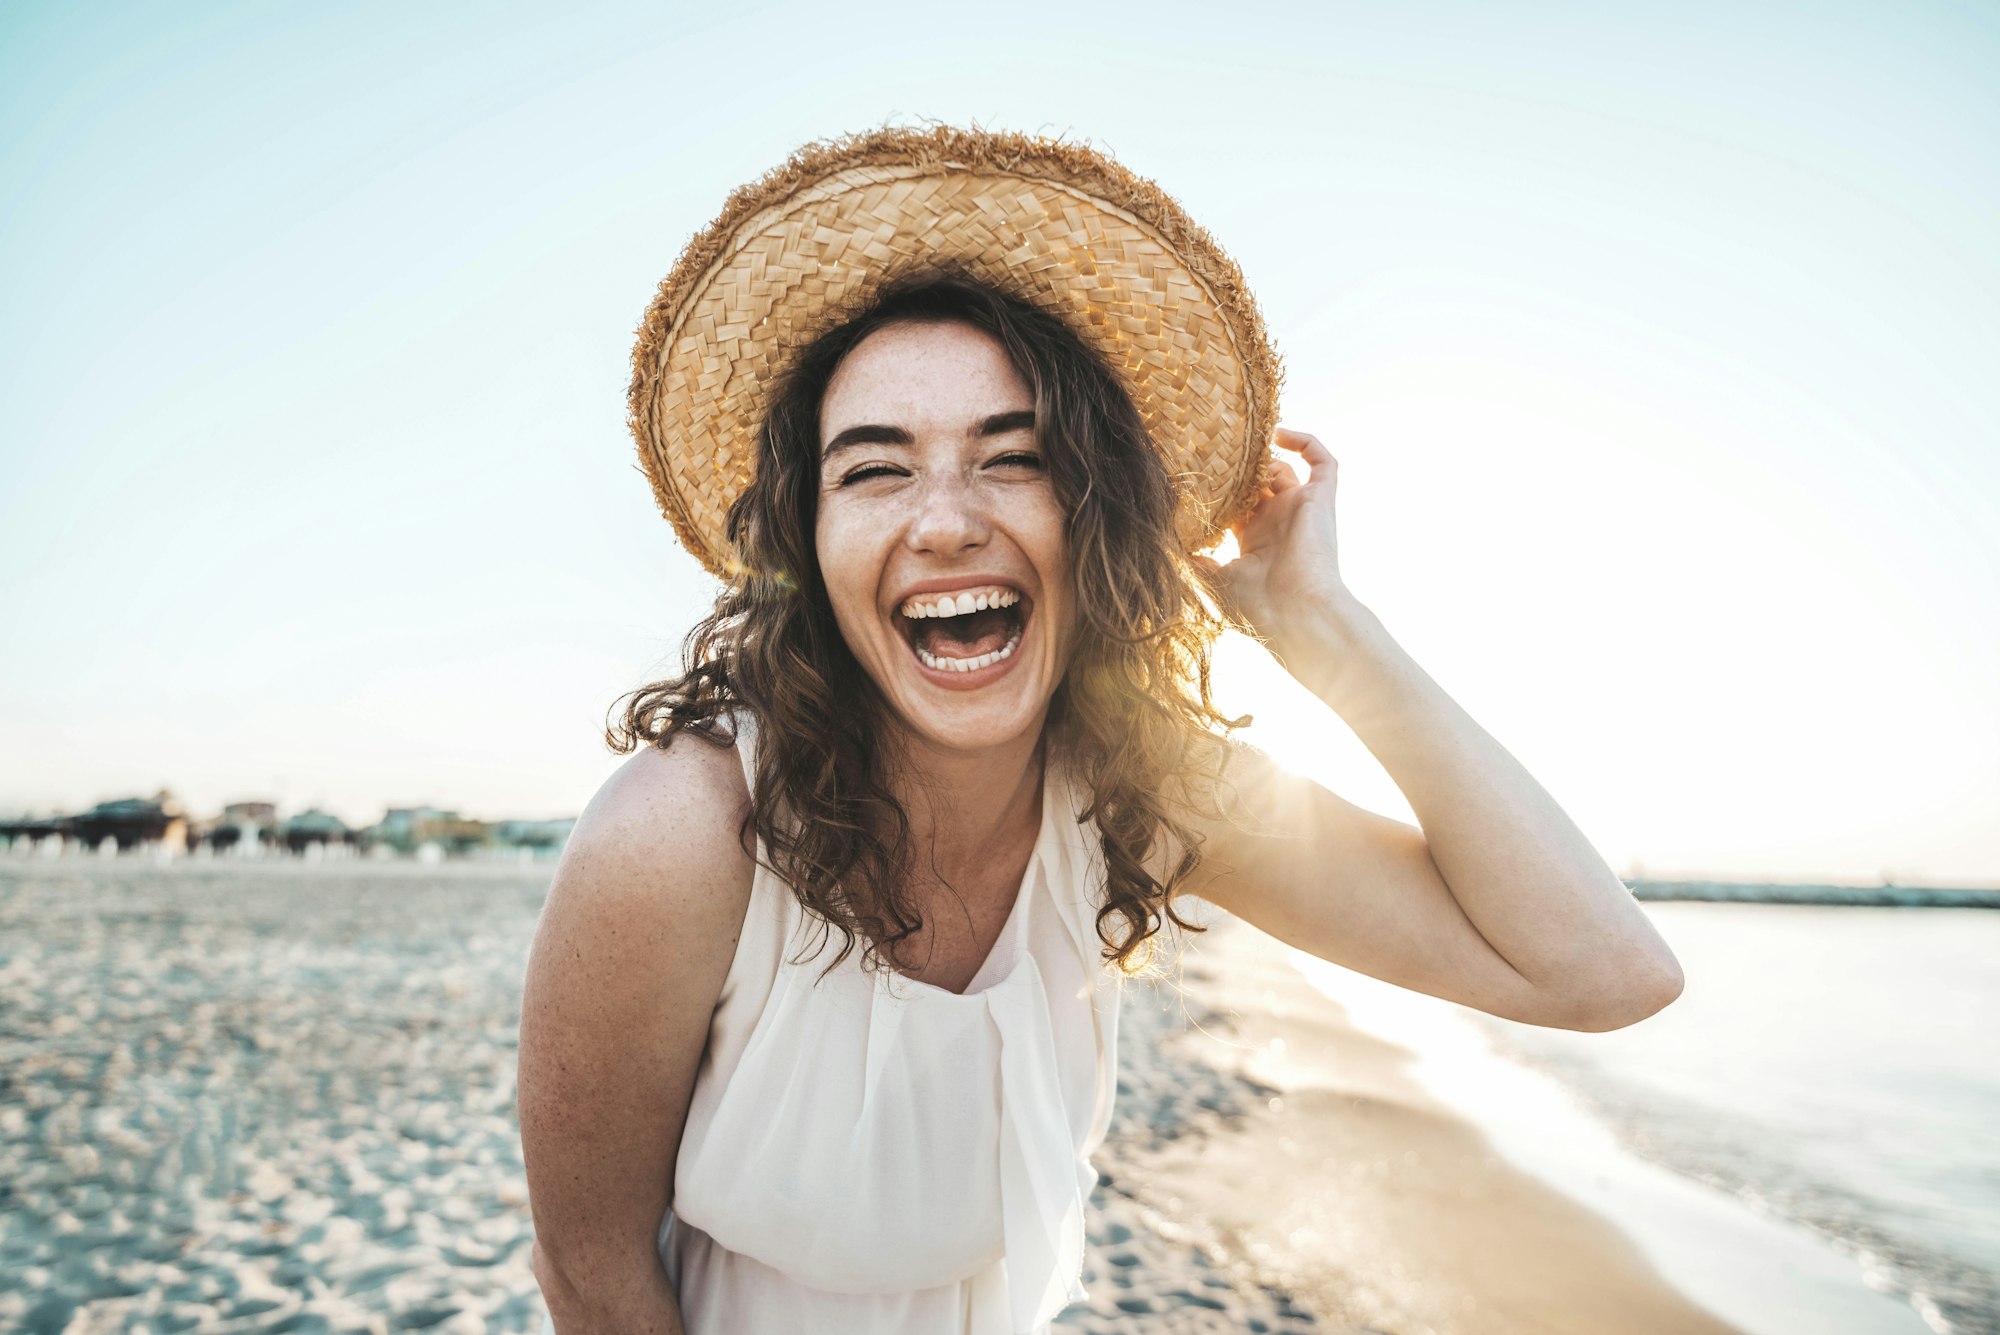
[{"x": 1832, "y": 1069}]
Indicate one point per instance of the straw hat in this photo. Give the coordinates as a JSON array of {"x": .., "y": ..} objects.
[{"x": 810, "y": 243}]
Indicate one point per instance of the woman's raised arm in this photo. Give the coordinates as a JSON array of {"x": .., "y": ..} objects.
[
  {"x": 628, "y": 961},
  {"x": 1498, "y": 901}
]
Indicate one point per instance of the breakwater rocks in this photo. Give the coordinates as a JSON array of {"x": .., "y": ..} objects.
[{"x": 1905, "y": 896}]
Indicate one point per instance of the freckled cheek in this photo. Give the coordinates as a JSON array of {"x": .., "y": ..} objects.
[
  {"x": 1059, "y": 594},
  {"x": 851, "y": 565}
]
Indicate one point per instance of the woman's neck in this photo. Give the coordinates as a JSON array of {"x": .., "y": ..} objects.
[{"x": 965, "y": 807}]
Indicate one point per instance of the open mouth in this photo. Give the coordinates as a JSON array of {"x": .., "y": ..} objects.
[{"x": 967, "y": 632}]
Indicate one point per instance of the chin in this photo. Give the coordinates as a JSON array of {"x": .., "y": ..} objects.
[{"x": 973, "y": 725}]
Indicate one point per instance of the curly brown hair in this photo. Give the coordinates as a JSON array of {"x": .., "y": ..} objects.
[{"x": 1133, "y": 716}]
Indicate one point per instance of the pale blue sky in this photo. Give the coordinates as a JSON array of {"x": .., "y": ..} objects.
[{"x": 1658, "y": 344}]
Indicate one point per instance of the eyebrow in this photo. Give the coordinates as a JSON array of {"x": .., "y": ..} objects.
[{"x": 1021, "y": 419}]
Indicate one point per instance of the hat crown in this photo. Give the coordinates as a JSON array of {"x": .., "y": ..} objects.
[{"x": 809, "y": 245}]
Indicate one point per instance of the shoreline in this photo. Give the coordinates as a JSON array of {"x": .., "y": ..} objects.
[
  {"x": 1354, "y": 1171},
  {"x": 1761, "y": 1273},
  {"x": 1342, "y": 1183}
]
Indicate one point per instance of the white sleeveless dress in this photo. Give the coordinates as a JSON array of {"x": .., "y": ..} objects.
[{"x": 872, "y": 1155}]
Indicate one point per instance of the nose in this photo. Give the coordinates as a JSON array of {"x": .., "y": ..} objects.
[{"x": 951, "y": 515}]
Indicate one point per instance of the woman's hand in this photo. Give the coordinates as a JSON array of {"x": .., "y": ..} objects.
[{"x": 1285, "y": 581}]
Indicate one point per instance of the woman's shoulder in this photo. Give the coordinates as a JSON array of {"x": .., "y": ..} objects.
[
  {"x": 702, "y": 768},
  {"x": 665, "y": 833}
]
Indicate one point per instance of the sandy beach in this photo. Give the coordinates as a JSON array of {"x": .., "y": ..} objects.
[{"x": 264, "y": 1098}]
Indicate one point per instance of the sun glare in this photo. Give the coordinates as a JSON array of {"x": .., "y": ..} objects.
[{"x": 1299, "y": 731}]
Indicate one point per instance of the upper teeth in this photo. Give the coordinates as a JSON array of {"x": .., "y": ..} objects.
[{"x": 957, "y": 605}]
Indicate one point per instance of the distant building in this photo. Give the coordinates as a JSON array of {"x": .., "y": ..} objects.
[
  {"x": 248, "y": 829},
  {"x": 131, "y": 822},
  {"x": 431, "y": 833},
  {"x": 458, "y": 836},
  {"x": 313, "y": 826},
  {"x": 243, "y": 828},
  {"x": 539, "y": 835},
  {"x": 398, "y": 826},
  {"x": 26, "y": 831},
  {"x": 408, "y": 829}
]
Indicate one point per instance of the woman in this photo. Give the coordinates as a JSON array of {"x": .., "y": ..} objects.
[{"x": 820, "y": 1025}]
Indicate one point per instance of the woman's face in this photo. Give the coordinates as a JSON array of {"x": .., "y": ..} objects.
[{"x": 939, "y": 536}]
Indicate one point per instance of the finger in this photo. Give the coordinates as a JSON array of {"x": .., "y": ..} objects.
[
  {"x": 1319, "y": 459},
  {"x": 1281, "y": 478}
]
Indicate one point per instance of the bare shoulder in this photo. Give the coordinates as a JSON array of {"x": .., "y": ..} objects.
[
  {"x": 665, "y": 830},
  {"x": 689, "y": 786},
  {"x": 629, "y": 961},
  {"x": 648, "y": 898}
]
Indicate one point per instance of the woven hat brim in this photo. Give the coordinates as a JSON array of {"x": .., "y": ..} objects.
[{"x": 1063, "y": 226}]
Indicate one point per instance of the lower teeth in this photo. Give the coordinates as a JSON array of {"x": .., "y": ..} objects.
[{"x": 931, "y": 660}]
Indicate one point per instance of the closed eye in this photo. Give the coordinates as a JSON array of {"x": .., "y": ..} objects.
[
  {"x": 1017, "y": 459},
  {"x": 866, "y": 471}
]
